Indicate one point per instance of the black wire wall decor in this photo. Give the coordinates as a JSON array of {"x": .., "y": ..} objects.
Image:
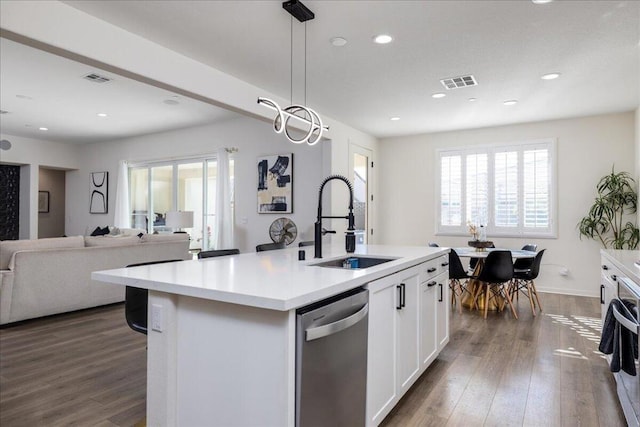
[{"x": 99, "y": 202}]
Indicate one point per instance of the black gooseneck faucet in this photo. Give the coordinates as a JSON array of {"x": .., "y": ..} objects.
[{"x": 350, "y": 238}]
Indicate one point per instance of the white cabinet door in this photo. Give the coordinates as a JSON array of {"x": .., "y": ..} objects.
[
  {"x": 428, "y": 340},
  {"x": 408, "y": 360},
  {"x": 381, "y": 358},
  {"x": 443, "y": 304},
  {"x": 608, "y": 285}
]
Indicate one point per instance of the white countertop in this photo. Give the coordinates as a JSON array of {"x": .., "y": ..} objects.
[
  {"x": 625, "y": 260},
  {"x": 273, "y": 280}
]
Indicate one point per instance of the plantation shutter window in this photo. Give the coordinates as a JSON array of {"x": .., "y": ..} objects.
[{"x": 508, "y": 188}]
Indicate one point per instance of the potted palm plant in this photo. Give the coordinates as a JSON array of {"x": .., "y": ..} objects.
[{"x": 609, "y": 219}]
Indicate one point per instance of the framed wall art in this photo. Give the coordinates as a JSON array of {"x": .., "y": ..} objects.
[
  {"x": 99, "y": 198},
  {"x": 275, "y": 183},
  {"x": 43, "y": 202}
]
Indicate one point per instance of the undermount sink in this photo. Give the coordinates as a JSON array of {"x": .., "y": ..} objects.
[{"x": 363, "y": 262}]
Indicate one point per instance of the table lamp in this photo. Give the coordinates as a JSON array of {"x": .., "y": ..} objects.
[{"x": 179, "y": 220}]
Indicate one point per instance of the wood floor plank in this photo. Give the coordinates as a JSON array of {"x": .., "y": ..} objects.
[{"x": 88, "y": 368}]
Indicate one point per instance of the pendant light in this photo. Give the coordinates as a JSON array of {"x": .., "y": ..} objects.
[{"x": 301, "y": 113}]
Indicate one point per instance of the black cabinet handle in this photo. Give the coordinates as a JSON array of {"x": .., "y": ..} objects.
[
  {"x": 404, "y": 295},
  {"x": 601, "y": 294},
  {"x": 441, "y": 295},
  {"x": 604, "y": 267},
  {"x": 444, "y": 264},
  {"x": 614, "y": 277},
  {"x": 431, "y": 270},
  {"x": 399, "y": 306},
  {"x": 433, "y": 283}
]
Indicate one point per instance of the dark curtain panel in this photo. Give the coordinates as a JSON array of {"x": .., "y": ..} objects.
[{"x": 9, "y": 202}]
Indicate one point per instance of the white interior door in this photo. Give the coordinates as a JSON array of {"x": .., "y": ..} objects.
[{"x": 360, "y": 165}]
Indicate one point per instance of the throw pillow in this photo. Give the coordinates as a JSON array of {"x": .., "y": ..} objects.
[{"x": 96, "y": 232}]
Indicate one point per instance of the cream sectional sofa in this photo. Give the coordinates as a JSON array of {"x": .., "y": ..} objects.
[{"x": 50, "y": 276}]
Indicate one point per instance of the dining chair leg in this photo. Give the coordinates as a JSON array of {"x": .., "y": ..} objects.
[
  {"x": 535, "y": 294},
  {"x": 513, "y": 310},
  {"x": 486, "y": 300},
  {"x": 529, "y": 291}
]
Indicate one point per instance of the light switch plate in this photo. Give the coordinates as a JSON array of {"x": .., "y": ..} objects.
[{"x": 156, "y": 317}]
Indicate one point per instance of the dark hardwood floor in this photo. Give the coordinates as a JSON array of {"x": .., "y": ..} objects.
[{"x": 88, "y": 369}]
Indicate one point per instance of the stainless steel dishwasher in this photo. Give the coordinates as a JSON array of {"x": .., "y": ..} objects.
[{"x": 331, "y": 361}]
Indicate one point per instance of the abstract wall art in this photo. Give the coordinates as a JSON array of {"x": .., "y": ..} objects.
[
  {"x": 275, "y": 184},
  {"x": 99, "y": 199}
]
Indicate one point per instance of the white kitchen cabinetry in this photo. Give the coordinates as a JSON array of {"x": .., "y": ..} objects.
[
  {"x": 609, "y": 275},
  {"x": 434, "y": 316},
  {"x": 404, "y": 326}
]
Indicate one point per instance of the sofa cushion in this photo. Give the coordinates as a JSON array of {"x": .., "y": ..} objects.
[
  {"x": 154, "y": 238},
  {"x": 111, "y": 240},
  {"x": 8, "y": 247}
]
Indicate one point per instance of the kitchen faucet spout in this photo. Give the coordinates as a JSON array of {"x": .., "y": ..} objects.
[{"x": 350, "y": 238}]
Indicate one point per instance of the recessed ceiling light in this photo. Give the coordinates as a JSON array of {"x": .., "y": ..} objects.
[
  {"x": 101, "y": 114},
  {"x": 511, "y": 102},
  {"x": 382, "y": 39},
  {"x": 394, "y": 119},
  {"x": 338, "y": 41},
  {"x": 472, "y": 99},
  {"x": 43, "y": 128},
  {"x": 541, "y": 1},
  {"x": 438, "y": 95},
  {"x": 550, "y": 76}
]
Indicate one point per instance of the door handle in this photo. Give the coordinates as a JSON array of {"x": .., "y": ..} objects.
[
  {"x": 604, "y": 267},
  {"x": 614, "y": 277},
  {"x": 337, "y": 326},
  {"x": 601, "y": 294},
  {"x": 404, "y": 295},
  {"x": 432, "y": 283},
  {"x": 399, "y": 306},
  {"x": 444, "y": 264},
  {"x": 431, "y": 270},
  {"x": 441, "y": 292}
]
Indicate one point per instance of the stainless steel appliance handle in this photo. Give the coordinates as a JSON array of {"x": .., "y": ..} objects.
[
  {"x": 629, "y": 324},
  {"x": 332, "y": 328}
]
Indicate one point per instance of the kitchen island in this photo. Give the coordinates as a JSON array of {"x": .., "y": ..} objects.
[{"x": 222, "y": 331}]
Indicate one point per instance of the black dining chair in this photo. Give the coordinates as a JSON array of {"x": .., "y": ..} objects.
[
  {"x": 458, "y": 278},
  {"x": 306, "y": 243},
  {"x": 433, "y": 245},
  {"x": 523, "y": 281},
  {"x": 495, "y": 278},
  {"x": 217, "y": 253},
  {"x": 270, "y": 246},
  {"x": 525, "y": 263},
  {"x": 136, "y": 301}
]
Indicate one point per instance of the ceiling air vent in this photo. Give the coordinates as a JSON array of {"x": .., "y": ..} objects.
[
  {"x": 4, "y": 112},
  {"x": 459, "y": 82},
  {"x": 96, "y": 78}
]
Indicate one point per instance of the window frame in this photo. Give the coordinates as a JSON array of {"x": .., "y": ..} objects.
[
  {"x": 550, "y": 232},
  {"x": 174, "y": 163}
]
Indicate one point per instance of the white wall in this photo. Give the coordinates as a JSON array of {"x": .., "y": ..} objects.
[
  {"x": 253, "y": 138},
  {"x": 587, "y": 148}
]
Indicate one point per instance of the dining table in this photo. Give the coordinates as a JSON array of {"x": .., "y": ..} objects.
[{"x": 473, "y": 284}]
